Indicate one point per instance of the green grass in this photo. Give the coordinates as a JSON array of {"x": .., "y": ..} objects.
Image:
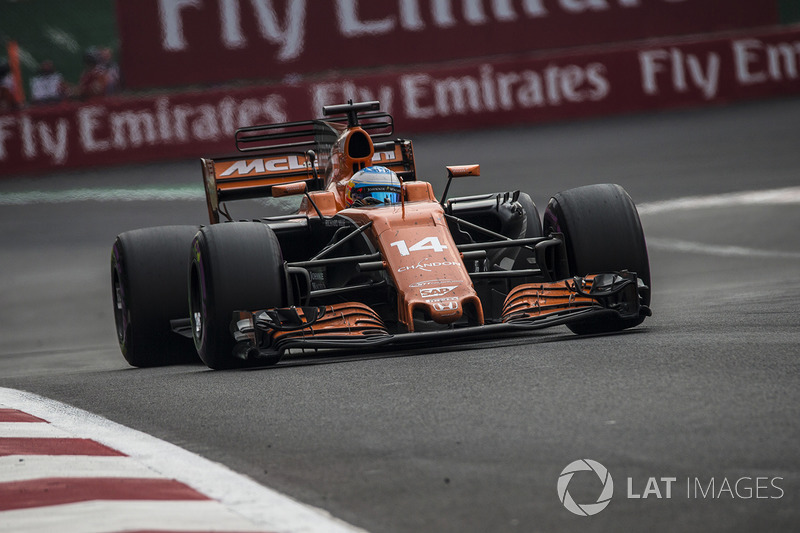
[
  {"x": 59, "y": 30},
  {"x": 789, "y": 11}
]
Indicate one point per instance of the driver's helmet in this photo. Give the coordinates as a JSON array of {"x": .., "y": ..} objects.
[{"x": 372, "y": 186}]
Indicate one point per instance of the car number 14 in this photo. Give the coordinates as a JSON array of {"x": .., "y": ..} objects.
[{"x": 428, "y": 243}]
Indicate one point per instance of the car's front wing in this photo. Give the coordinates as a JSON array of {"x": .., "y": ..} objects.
[{"x": 529, "y": 307}]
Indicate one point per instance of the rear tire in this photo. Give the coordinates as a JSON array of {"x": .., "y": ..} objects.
[
  {"x": 235, "y": 266},
  {"x": 148, "y": 284},
  {"x": 602, "y": 233}
]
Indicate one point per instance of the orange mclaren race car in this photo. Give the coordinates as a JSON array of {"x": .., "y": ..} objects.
[{"x": 369, "y": 258}]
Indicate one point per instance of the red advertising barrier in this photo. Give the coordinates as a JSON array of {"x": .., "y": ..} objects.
[
  {"x": 653, "y": 75},
  {"x": 183, "y": 42}
]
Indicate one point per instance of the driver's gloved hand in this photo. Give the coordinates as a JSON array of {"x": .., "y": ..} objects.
[{"x": 361, "y": 202}]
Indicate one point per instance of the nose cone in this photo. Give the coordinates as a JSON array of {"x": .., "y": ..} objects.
[
  {"x": 446, "y": 311},
  {"x": 443, "y": 302}
]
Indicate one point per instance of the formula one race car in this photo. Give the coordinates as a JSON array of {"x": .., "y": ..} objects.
[{"x": 369, "y": 259}]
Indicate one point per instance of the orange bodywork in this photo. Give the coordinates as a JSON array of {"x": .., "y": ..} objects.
[
  {"x": 419, "y": 253},
  {"x": 421, "y": 258},
  {"x": 538, "y": 300},
  {"x": 351, "y": 319}
]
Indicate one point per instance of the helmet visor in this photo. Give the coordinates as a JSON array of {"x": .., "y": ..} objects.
[
  {"x": 386, "y": 197},
  {"x": 377, "y": 194}
]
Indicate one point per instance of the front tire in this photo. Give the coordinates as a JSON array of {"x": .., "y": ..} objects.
[
  {"x": 602, "y": 233},
  {"x": 148, "y": 284},
  {"x": 235, "y": 266}
]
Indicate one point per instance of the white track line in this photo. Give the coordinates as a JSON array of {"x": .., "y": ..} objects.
[
  {"x": 676, "y": 245},
  {"x": 265, "y": 508},
  {"x": 784, "y": 196},
  {"x": 787, "y": 195},
  {"x": 151, "y": 194}
]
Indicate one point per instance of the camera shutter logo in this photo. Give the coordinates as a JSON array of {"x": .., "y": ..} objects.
[{"x": 586, "y": 509}]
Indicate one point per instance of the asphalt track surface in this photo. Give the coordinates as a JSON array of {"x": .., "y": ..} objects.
[{"x": 473, "y": 438}]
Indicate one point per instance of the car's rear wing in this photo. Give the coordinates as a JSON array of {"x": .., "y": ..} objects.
[
  {"x": 313, "y": 134},
  {"x": 277, "y": 154},
  {"x": 236, "y": 178}
]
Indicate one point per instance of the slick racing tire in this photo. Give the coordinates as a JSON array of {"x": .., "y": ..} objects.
[
  {"x": 234, "y": 266},
  {"x": 602, "y": 233},
  {"x": 148, "y": 287}
]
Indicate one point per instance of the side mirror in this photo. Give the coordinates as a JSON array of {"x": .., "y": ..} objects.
[
  {"x": 288, "y": 189},
  {"x": 459, "y": 171},
  {"x": 294, "y": 189}
]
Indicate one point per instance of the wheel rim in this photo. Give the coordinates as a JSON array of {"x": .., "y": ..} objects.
[
  {"x": 196, "y": 307},
  {"x": 120, "y": 312}
]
